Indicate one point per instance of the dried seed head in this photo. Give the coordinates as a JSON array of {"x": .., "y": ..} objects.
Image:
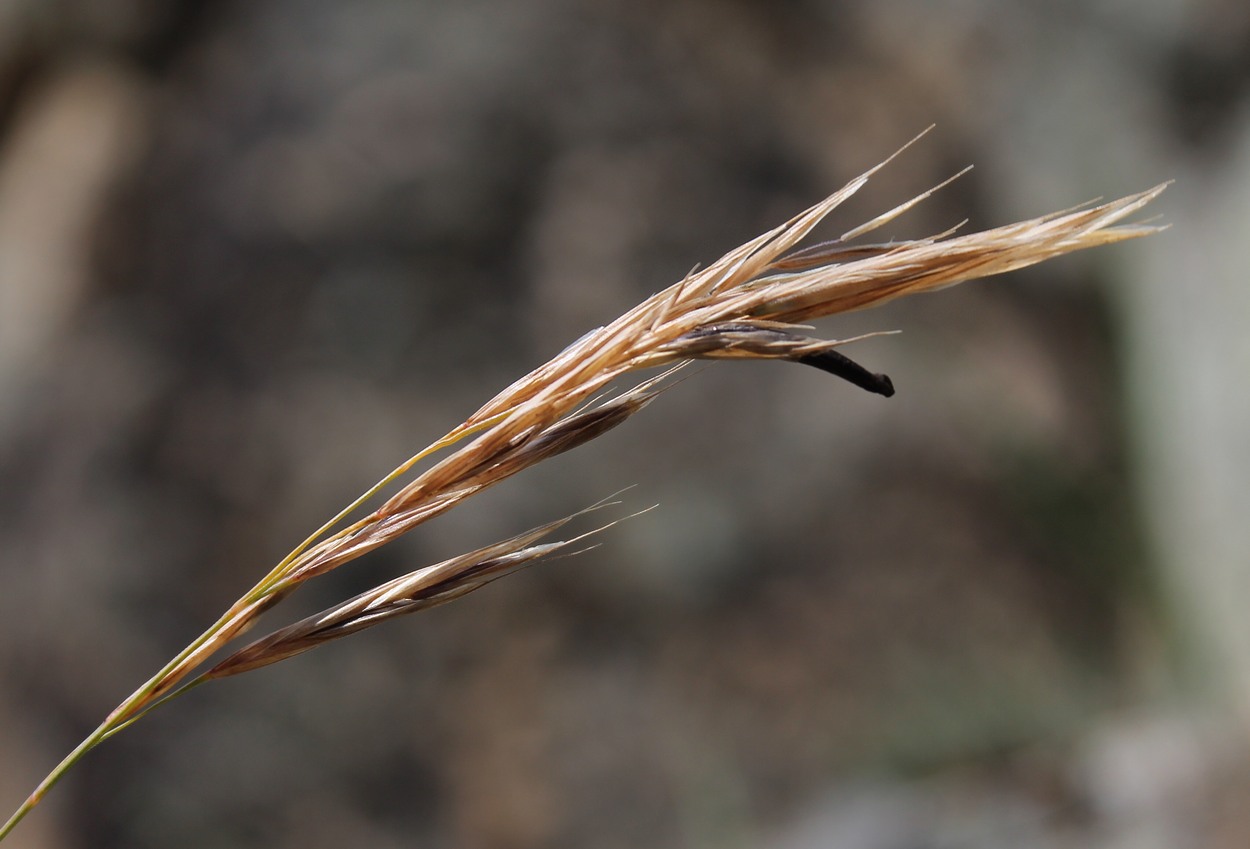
[{"x": 416, "y": 591}]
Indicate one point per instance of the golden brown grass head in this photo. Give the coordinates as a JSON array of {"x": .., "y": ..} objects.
[{"x": 747, "y": 304}]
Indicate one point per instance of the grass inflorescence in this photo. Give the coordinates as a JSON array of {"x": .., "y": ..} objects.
[{"x": 750, "y": 304}]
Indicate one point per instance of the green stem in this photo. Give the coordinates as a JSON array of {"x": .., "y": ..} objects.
[
  {"x": 141, "y": 701},
  {"x": 121, "y": 716},
  {"x": 52, "y": 778}
]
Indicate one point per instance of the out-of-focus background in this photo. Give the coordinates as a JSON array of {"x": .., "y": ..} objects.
[{"x": 253, "y": 254}]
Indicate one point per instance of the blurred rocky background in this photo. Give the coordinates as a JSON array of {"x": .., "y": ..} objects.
[{"x": 253, "y": 254}]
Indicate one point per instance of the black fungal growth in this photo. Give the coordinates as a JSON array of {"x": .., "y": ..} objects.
[{"x": 849, "y": 370}]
